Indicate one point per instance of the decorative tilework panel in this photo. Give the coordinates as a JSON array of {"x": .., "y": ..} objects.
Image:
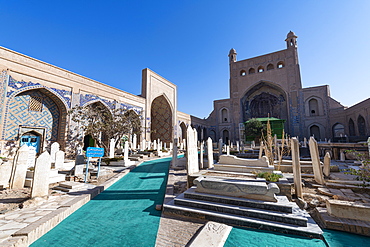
[
  {"x": 161, "y": 116},
  {"x": 18, "y": 114},
  {"x": 3, "y": 78}
]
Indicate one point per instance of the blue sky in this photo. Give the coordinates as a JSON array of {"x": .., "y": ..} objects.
[{"x": 187, "y": 41}]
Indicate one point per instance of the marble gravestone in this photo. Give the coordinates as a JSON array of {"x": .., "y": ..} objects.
[
  {"x": 112, "y": 144},
  {"x": 54, "y": 148},
  {"x": 314, "y": 151},
  {"x": 210, "y": 152},
  {"x": 40, "y": 181},
  {"x": 19, "y": 168},
  {"x": 59, "y": 159},
  {"x": 191, "y": 151}
]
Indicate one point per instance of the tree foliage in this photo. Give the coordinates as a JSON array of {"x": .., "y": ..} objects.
[
  {"x": 253, "y": 128},
  {"x": 103, "y": 124}
]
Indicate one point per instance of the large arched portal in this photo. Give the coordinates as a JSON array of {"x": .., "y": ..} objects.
[
  {"x": 263, "y": 100},
  {"x": 36, "y": 111},
  {"x": 161, "y": 120}
]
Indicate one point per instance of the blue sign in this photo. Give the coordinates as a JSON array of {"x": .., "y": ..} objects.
[{"x": 94, "y": 152}]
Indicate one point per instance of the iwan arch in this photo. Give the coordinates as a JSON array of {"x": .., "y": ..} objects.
[{"x": 35, "y": 97}]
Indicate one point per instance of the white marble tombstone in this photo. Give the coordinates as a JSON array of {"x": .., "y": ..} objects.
[
  {"x": 174, "y": 153},
  {"x": 237, "y": 146},
  {"x": 191, "y": 151},
  {"x": 134, "y": 141},
  {"x": 201, "y": 165},
  {"x": 304, "y": 142},
  {"x": 227, "y": 150},
  {"x": 253, "y": 144},
  {"x": 59, "y": 159},
  {"x": 31, "y": 157},
  {"x": 125, "y": 154},
  {"x": 142, "y": 146},
  {"x": 296, "y": 167},
  {"x": 155, "y": 145},
  {"x": 41, "y": 174},
  {"x": 19, "y": 168},
  {"x": 112, "y": 144},
  {"x": 54, "y": 148},
  {"x": 5, "y": 173},
  {"x": 184, "y": 144},
  {"x": 210, "y": 152},
  {"x": 171, "y": 146},
  {"x": 327, "y": 160},
  {"x": 314, "y": 151},
  {"x": 342, "y": 155},
  {"x": 261, "y": 150}
]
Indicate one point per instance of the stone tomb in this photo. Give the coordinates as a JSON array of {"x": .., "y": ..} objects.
[
  {"x": 40, "y": 184},
  {"x": 237, "y": 188},
  {"x": 20, "y": 168},
  {"x": 5, "y": 172}
]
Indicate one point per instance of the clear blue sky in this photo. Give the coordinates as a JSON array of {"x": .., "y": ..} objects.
[{"x": 187, "y": 41}]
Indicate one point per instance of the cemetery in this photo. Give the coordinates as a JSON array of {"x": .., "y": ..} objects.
[{"x": 76, "y": 152}]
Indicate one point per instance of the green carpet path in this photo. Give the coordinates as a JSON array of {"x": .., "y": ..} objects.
[{"x": 122, "y": 215}]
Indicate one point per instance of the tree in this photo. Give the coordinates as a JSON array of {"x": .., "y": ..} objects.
[
  {"x": 103, "y": 124},
  {"x": 253, "y": 129}
]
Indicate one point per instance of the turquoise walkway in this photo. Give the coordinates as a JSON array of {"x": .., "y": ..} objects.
[{"x": 122, "y": 215}]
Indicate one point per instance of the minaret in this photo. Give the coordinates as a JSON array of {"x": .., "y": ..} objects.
[
  {"x": 291, "y": 40},
  {"x": 232, "y": 56}
]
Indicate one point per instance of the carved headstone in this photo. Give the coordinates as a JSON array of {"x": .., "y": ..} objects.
[
  {"x": 227, "y": 150},
  {"x": 210, "y": 152},
  {"x": 174, "y": 153},
  {"x": 314, "y": 151},
  {"x": 327, "y": 164},
  {"x": 134, "y": 142},
  {"x": 59, "y": 159},
  {"x": 296, "y": 167},
  {"x": 40, "y": 182},
  {"x": 261, "y": 150},
  {"x": 31, "y": 156},
  {"x": 5, "y": 172},
  {"x": 19, "y": 168},
  {"x": 237, "y": 146},
  {"x": 79, "y": 165},
  {"x": 191, "y": 151},
  {"x": 112, "y": 144},
  {"x": 54, "y": 148},
  {"x": 201, "y": 166},
  {"x": 155, "y": 145},
  {"x": 125, "y": 154},
  {"x": 220, "y": 143}
]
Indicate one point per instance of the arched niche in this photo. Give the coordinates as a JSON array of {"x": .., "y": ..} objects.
[
  {"x": 361, "y": 125},
  {"x": 315, "y": 131},
  {"x": 161, "y": 120},
  {"x": 351, "y": 127},
  {"x": 263, "y": 100}
]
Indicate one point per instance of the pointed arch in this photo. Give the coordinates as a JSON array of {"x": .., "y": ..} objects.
[{"x": 161, "y": 119}]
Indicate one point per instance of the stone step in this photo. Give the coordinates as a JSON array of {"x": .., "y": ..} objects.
[
  {"x": 241, "y": 168},
  {"x": 283, "y": 204},
  {"x": 312, "y": 230},
  {"x": 243, "y": 211},
  {"x": 55, "y": 179}
]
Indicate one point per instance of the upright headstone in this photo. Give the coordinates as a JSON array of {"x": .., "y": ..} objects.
[
  {"x": 201, "y": 165},
  {"x": 227, "y": 150},
  {"x": 155, "y": 145},
  {"x": 125, "y": 154},
  {"x": 134, "y": 142},
  {"x": 174, "y": 153},
  {"x": 342, "y": 156},
  {"x": 19, "y": 168},
  {"x": 143, "y": 146},
  {"x": 314, "y": 151},
  {"x": 59, "y": 159},
  {"x": 304, "y": 142},
  {"x": 31, "y": 156},
  {"x": 210, "y": 152},
  {"x": 5, "y": 172},
  {"x": 327, "y": 159},
  {"x": 253, "y": 144},
  {"x": 184, "y": 144},
  {"x": 261, "y": 150},
  {"x": 41, "y": 174},
  {"x": 237, "y": 146},
  {"x": 171, "y": 145},
  {"x": 165, "y": 146},
  {"x": 79, "y": 165},
  {"x": 191, "y": 151},
  {"x": 296, "y": 167},
  {"x": 111, "y": 148},
  {"x": 54, "y": 148},
  {"x": 220, "y": 143}
]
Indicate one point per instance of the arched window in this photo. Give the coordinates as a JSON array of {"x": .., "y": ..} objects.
[
  {"x": 270, "y": 67},
  {"x": 243, "y": 72},
  {"x": 313, "y": 107},
  {"x": 251, "y": 71},
  {"x": 351, "y": 127},
  {"x": 361, "y": 126},
  {"x": 224, "y": 115},
  {"x": 261, "y": 69},
  {"x": 280, "y": 65},
  {"x": 338, "y": 130},
  {"x": 315, "y": 132}
]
